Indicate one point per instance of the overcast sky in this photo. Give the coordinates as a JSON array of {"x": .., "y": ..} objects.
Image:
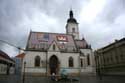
[{"x": 100, "y": 21}]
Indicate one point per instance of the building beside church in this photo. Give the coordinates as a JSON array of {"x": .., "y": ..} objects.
[
  {"x": 18, "y": 63},
  {"x": 7, "y": 64},
  {"x": 111, "y": 58},
  {"x": 48, "y": 53}
]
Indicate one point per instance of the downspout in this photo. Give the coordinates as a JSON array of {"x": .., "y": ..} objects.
[
  {"x": 79, "y": 67},
  {"x": 46, "y": 62}
]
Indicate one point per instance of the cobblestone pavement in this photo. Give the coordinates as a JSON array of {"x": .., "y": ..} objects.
[
  {"x": 104, "y": 79},
  {"x": 9, "y": 79},
  {"x": 83, "y": 79}
]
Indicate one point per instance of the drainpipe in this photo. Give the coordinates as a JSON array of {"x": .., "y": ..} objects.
[
  {"x": 79, "y": 67},
  {"x": 46, "y": 62}
]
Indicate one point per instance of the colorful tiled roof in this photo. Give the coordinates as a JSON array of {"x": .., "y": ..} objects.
[
  {"x": 42, "y": 40},
  {"x": 82, "y": 44}
]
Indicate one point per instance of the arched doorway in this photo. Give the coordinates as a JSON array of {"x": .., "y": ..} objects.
[{"x": 53, "y": 64}]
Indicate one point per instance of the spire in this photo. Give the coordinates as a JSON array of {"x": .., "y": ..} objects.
[
  {"x": 71, "y": 13},
  {"x": 71, "y": 18}
]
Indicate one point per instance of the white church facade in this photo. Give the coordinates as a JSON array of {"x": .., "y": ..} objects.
[{"x": 48, "y": 53}]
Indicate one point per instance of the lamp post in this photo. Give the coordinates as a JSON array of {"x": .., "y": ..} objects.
[
  {"x": 95, "y": 58},
  {"x": 98, "y": 66},
  {"x": 24, "y": 72},
  {"x": 79, "y": 67}
]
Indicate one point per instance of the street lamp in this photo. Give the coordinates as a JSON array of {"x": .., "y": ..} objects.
[
  {"x": 98, "y": 66},
  {"x": 96, "y": 62},
  {"x": 24, "y": 72}
]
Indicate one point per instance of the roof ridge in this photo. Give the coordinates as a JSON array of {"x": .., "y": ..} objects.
[{"x": 50, "y": 33}]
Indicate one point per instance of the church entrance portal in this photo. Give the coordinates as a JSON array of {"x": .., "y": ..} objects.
[{"x": 53, "y": 64}]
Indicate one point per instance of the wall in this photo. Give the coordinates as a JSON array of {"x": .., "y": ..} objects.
[
  {"x": 62, "y": 57},
  {"x": 3, "y": 68},
  {"x": 69, "y": 29},
  {"x": 29, "y": 59},
  {"x": 88, "y": 68},
  {"x": 111, "y": 59}
]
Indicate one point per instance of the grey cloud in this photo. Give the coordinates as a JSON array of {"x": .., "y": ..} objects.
[
  {"x": 14, "y": 12},
  {"x": 112, "y": 10},
  {"x": 108, "y": 26},
  {"x": 16, "y": 20}
]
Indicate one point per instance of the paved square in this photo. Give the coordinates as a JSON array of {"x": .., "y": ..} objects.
[{"x": 83, "y": 79}]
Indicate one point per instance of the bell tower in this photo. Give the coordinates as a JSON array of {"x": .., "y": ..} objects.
[{"x": 72, "y": 26}]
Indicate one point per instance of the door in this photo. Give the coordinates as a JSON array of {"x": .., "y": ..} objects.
[{"x": 53, "y": 64}]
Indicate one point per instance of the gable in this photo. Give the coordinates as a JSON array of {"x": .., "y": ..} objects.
[{"x": 53, "y": 47}]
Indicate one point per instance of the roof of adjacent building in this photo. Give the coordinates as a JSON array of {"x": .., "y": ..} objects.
[
  {"x": 119, "y": 42},
  {"x": 5, "y": 56},
  {"x": 21, "y": 56},
  {"x": 43, "y": 40}
]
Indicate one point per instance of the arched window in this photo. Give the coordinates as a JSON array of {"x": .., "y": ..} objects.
[
  {"x": 54, "y": 47},
  {"x": 73, "y": 29},
  {"x": 37, "y": 61},
  {"x": 71, "y": 62},
  {"x": 88, "y": 60},
  {"x": 81, "y": 61}
]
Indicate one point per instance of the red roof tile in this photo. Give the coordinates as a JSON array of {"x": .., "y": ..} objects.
[{"x": 21, "y": 55}]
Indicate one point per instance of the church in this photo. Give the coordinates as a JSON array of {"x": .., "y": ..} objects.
[{"x": 48, "y": 52}]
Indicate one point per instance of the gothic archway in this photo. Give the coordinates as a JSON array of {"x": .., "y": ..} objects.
[{"x": 53, "y": 64}]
